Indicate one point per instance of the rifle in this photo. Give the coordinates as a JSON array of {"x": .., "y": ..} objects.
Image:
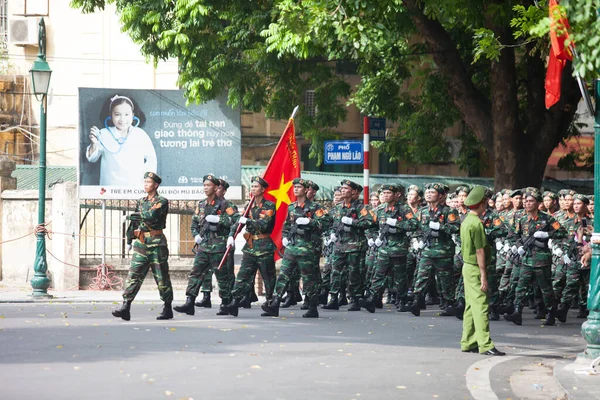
[
  {"x": 385, "y": 230},
  {"x": 514, "y": 257},
  {"x": 134, "y": 224},
  {"x": 338, "y": 228},
  {"x": 430, "y": 234},
  {"x": 205, "y": 226}
]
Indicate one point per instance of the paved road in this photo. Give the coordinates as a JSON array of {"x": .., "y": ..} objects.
[{"x": 78, "y": 350}]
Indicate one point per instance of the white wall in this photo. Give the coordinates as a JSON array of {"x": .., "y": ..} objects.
[{"x": 84, "y": 50}]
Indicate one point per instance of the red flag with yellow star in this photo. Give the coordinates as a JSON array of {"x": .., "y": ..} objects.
[{"x": 282, "y": 169}]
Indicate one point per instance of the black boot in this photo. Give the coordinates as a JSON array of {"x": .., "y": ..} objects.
[
  {"x": 443, "y": 304},
  {"x": 421, "y": 302},
  {"x": 205, "y": 302},
  {"x": 167, "y": 312},
  {"x": 516, "y": 316},
  {"x": 253, "y": 296},
  {"x": 370, "y": 303},
  {"x": 289, "y": 301},
  {"x": 378, "y": 301},
  {"x": 123, "y": 312},
  {"x": 449, "y": 311},
  {"x": 305, "y": 304},
  {"x": 551, "y": 318},
  {"x": 323, "y": 296},
  {"x": 188, "y": 307},
  {"x": 403, "y": 306},
  {"x": 583, "y": 312},
  {"x": 297, "y": 294},
  {"x": 234, "y": 307},
  {"x": 223, "y": 310},
  {"x": 494, "y": 315},
  {"x": 415, "y": 307},
  {"x": 312, "y": 309},
  {"x": 460, "y": 308},
  {"x": 333, "y": 303},
  {"x": 245, "y": 302},
  {"x": 343, "y": 299},
  {"x": 390, "y": 298},
  {"x": 355, "y": 304},
  {"x": 271, "y": 308},
  {"x": 561, "y": 313}
]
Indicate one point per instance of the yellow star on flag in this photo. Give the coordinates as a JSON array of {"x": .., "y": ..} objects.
[{"x": 281, "y": 193}]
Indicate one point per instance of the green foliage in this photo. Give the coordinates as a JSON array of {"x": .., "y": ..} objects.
[{"x": 471, "y": 156}]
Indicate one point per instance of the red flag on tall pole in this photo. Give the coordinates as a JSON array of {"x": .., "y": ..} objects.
[
  {"x": 282, "y": 169},
  {"x": 559, "y": 54}
]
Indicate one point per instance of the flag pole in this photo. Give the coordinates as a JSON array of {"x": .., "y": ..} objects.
[{"x": 251, "y": 202}]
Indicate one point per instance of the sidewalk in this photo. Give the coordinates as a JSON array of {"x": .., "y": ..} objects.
[{"x": 575, "y": 379}]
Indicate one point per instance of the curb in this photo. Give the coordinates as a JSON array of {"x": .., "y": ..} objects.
[{"x": 574, "y": 385}]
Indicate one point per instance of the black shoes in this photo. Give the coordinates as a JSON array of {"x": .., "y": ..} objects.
[
  {"x": 223, "y": 310},
  {"x": 289, "y": 301},
  {"x": 188, "y": 307},
  {"x": 234, "y": 307},
  {"x": 333, "y": 303},
  {"x": 271, "y": 308},
  {"x": 471, "y": 350},
  {"x": 123, "y": 312},
  {"x": 167, "y": 312},
  {"x": 494, "y": 352},
  {"x": 205, "y": 302},
  {"x": 515, "y": 317},
  {"x": 355, "y": 304}
]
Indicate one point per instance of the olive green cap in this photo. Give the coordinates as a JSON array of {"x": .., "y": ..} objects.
[{"x": 475, "y": 197}]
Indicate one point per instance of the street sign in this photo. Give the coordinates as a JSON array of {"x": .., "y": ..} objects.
[
  {"x": 343, "y": 152},
  {"x": 377, "y": 128}
]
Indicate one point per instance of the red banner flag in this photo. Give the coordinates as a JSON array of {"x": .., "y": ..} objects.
[
  {"x": 559, "y": 54},
  {"x": 282, "y": 169}
]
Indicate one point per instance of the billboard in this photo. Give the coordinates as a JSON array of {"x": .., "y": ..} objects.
[{"x": 124, "y": 133}]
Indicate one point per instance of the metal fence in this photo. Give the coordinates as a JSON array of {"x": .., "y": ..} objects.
[{"x": 103, "y": 223}]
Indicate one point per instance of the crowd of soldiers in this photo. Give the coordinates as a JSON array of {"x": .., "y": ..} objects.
[{"x": 407, "y": 245}]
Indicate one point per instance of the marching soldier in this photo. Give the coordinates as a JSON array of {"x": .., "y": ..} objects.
[
  {"x": 533, "y": 230},
  {"x": 438, "y": 223},
  {"x": 150, "y": 249},
  {"x": 259, "y": 250},
  {"x": 304, "y": 220},
  {"x": 327, "y": 252},
  {"x": 395, "y": 221},
  {"x": 350, "y": 219},
  {"x": 211, "y": 223}
]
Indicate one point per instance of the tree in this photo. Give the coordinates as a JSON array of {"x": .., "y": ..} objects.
[{"x": 424, "y": 63}]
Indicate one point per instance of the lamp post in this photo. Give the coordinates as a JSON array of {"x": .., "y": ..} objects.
[
  {"x": 40, "y": 80},
  {"x": 590, "y": 329}
]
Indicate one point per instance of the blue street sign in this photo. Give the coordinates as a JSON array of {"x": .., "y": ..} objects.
[
  {"x": 377, "y": 128},
  {"x": 343, "y": 152}
]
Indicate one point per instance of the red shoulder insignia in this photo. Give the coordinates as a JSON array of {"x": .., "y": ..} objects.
[
  {"x": 229, "y": 210},
  {"x": 497, "y": 222},
  {"x": 555, "y": 225},
  {"x": 269, "y": 213},
  {"x": 319, "y": 213},
  {"x": 409, "y": 215},
  {"x": 363, "y": 212},
  {"x": 451, "y": 217}
]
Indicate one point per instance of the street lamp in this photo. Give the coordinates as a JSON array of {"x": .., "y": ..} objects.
[
  {"x": 590, "y": 329},
  {"x": 40, "y": 80}
]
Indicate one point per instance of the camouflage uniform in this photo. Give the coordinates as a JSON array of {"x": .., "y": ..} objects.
[
  {"x": 347, "y": 249},
  {"x": 299, "y": 254},
  {"x": 438, "y": 253},
  {"x": 259, "y": 250},
  {"x": 391, "y": 255},
  {"x": 537, "y": 258},
  {"x": 495, "y": 229},
  {"x": 149, "y": 249},
  {"x": 211, "y": 249},
  {"x": 413, "y": 252},
  {"x": 510, "y": 277}
]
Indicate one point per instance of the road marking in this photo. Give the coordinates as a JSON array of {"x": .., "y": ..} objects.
[{"x": 478, "y": 375}]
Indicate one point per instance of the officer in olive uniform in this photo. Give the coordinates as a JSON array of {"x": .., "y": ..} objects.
[
  {"x": 304, "y": 220},
  {"x": 350, "y": 220},
  {"x": 259, "y": 250},
  {"x": 211, "y": 223},
  {"x": 150, "y": 249}
]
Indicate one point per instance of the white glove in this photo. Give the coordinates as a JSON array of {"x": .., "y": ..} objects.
[
  {"x": 198, "y": 239},
  {"x": 378, "y": 242},
  {"x": 230, "y": 241},
  {"x": 333, "y": 238},
  {"x": 213, "y": 219},
  {"x": 285, "y": 242},
  {"x": 521, "y": 251},
  {"x": 347, "y": 220},
  {"x": 421, "y": 244},
  {"x": 243, "y": 220},
  {"x": 550, "y": 244},
  {"x": 540, "y": 235},
  {"x": 499, "y": 246},
  {"x": 434, "y": 225},
  {"x": 128, "y": 248},
  {"x": 415, "y": 244},
  {"x": 391, "y": 221},
  {"x": 302, "y": 221},
  {"x": 558, "y": 252},
  {"x": 567, "y": 260},
  {"x": 370, "y": 242},
  {"x": 514, "y": 249},
  {"x": 327, "y": 242},
  {"x": 506, "y": 247}
]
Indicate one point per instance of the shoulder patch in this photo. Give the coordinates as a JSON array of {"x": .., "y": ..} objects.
[
  {"x": 452, "y": 217},
  {"x": 197, "y": 211},
  {"x": 156, "y": 206},
  {"x": 319, "y": 213},
  {"x": 363, "y": 212},
  {"x": 555, "y": 225},
  {"x": 409, "y": 215},
  {"x": 229, "y": 211},
  {"x": 497, "y": 222},
  {"x": 269, "y": 213}
]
